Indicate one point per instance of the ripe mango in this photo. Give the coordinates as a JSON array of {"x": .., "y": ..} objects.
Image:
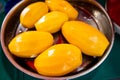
[
  {"x": 32, "y": 13},
  {"x": 58, "y": 60},
  {"x": 90, "y": 40},
  {"x": 51, "y": 22},
  {"x": 30, "y": 44},
  {"x": 63, "y": 6}
]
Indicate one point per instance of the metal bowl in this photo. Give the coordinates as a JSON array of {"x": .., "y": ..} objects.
[{"x": 89, "y": 11}]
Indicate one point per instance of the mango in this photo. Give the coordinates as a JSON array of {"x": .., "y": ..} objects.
[
  {"x": 63, "y": 6},
  {"x": 90, "y": 40},
  {"x": 58, "y": 60},
  {"x": 51, "y": 22},
  {"x": 32, "y": 13},
  {"x": 30, "y": 44}
]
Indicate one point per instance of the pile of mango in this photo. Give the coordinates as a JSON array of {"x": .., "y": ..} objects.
[{"x": 48, "y": 18}]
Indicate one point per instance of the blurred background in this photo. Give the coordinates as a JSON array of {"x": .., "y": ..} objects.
[{"x": 108, "y": 70}]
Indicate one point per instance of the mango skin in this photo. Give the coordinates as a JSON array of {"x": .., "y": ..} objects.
[
  {"x": 58, "y": 60},
  {"x": 90, "y": 40},
  {"x": 51, "y": 22},
  {"x": 63, "y": 6},
  {"x": 32, "y": 13},
  {"x": 30, "y": 44}
]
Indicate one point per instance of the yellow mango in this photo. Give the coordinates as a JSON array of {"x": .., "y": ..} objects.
[
  {"x": 30, "y": 44},
  {"x": 63, "y": 6},
  {"x": 90, "y": 40},
  {"x": 58, "y": 60},
  {"x": 51, "y": 22},
  {"x": 32, "y": 13}
]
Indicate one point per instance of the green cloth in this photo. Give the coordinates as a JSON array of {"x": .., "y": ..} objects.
[{"x": 108, "y": 70}]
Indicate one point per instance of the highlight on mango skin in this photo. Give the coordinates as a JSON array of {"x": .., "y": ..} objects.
[
  {"x": 33, "y": 13},
  {"x": 58, "y": 60},
  {"x": 23, "y": 45},
  {"x": 90, "y": 40}
]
